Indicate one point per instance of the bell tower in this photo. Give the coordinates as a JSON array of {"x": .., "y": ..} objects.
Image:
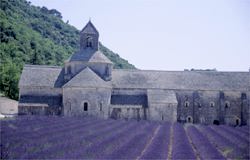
[{"x": 89, "y": 37}]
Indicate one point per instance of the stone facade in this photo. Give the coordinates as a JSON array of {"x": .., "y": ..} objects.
[{"x": 88, "y": 85}]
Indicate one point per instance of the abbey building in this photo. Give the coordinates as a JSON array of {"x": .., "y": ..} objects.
[{"x": 87, "y": 84}]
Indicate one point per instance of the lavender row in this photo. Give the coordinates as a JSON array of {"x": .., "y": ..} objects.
[
  {"x": 202, "y": 144},
  {"x": 242, "y": 135},
  {"x": 158, "y": 149},
  {"x": 43, "y": 130},
  {"x": 25, "y": 145},
  {"x": 133, "y": 148},
  {"x": 181, "y": 148},
  {"x": 228, "y": 149},
  {"x": 240, "y": 142},
  {"x": 115, "y": 140},
  {"x": 70, "y": 140}
]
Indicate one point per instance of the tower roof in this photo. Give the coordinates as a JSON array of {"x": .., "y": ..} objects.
[
  {"x": 90, "y": 29},
  {"x": 89, "y": 56},
  {"x": 99, "y": 57}
]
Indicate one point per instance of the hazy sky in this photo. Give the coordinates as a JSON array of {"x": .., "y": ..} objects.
[{"x": 167, "y": 35}]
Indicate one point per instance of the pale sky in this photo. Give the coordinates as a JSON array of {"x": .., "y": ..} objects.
[{"x": 167, "y": 34}]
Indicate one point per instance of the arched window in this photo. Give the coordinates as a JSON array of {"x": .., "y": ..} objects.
[
  {"x": 227, "y": 104},
  {"x": 69, "y": 69},
  {"x": 199, "y": 105},
  {"x": 107, "y": 71},
  {"x": 101, "y": 106},
  {"x": 186, "y": 103},
  {"x": 212, "y": 104},
  {"x": 89, "y": 42},
  {"x": 85, "y": 106}
]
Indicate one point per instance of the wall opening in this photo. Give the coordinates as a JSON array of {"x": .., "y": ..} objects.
[
  {"x": 243, "y": 96},
  {"x": 189, "y": 119},
  {"x": 116, "y": 113},
  {"x": 69, "y": 70},
  {"x": 89, "y": 42},
  {"x": 199, "y": 105},
  {"x": 227, "y": 104},
  {"x": 212, "y": 104},
  {"x": 216, "y": 122},
  {"x": 85, "y": 106},
  {"x": 100, "y": 106},
  {"x": 237, "y": 122}
]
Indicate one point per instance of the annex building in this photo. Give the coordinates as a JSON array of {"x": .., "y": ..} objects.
[{"x": 87, "y": 84}]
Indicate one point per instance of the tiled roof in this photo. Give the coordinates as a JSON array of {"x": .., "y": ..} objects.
[
  {"x": 87, "y": 78},
  {"x": 41, "y": 76},
  {"x": 89, "y": 55},
  {"x": 161, "y": 96},
  {"x": 181, "y": 80},
  {"x": 90, "y": 28},
  {"x": 50, "y": 76},
  {"x": 99, "y": 57}
]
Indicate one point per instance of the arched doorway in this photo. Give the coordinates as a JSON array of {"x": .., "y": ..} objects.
[
  {"x": 237, "y": 122},
  {"x": 189, "y": 119},
  {"x": 216, "y": 122}
]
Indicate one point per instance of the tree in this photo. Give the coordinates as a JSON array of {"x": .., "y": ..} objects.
[{"x": 9, "y": 76}]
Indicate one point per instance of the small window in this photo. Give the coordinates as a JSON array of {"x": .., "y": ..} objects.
[
  {"x": 212, "y": 104},
  {"x": 85, "y": 106},
  {"x": 243, "y": 96},
  {"x": 69, "y": 70},
  {"x": 89, "y": 42},
  {"x": 100, "y": 106},
  {"x": 199, "y": 105},
  {"x": 227, "y": 104},
  {"x": 186, "y": 104}
]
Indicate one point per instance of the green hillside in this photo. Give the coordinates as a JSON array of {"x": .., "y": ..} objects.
[{"x": 34, "y": 35}]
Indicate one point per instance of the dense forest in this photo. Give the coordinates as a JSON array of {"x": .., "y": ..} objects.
[{"x": 36, "y": 35}]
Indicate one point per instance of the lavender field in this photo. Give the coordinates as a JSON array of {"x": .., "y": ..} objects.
[{"x": 29, "y": 137}]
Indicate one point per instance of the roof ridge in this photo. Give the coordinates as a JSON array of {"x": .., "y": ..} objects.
[
  {"x": 42, "y": 66},
  {"x": 91, "y": 79},
  {"x": 92, "y": 26},
  {"x": 98, "y": 56},
  {"x": 139, "y": 70}
]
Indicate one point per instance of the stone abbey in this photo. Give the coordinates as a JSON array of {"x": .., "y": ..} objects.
[{"x": 87, "y": 84}]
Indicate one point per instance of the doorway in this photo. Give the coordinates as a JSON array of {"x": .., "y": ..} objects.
[
  {"x": 216, "y": 122},
  {"x": 237, "y": 122},
  {"x": 189, "y": 119}
]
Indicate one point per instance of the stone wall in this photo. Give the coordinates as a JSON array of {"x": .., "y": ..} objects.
[
  {"x": 41, "y": 95},
  {"x": 208, "y": 107},
  {"x": 135, "y": 112},
  {"x": 163, "y": 112},
  {"x": 87, "y": 101}
]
